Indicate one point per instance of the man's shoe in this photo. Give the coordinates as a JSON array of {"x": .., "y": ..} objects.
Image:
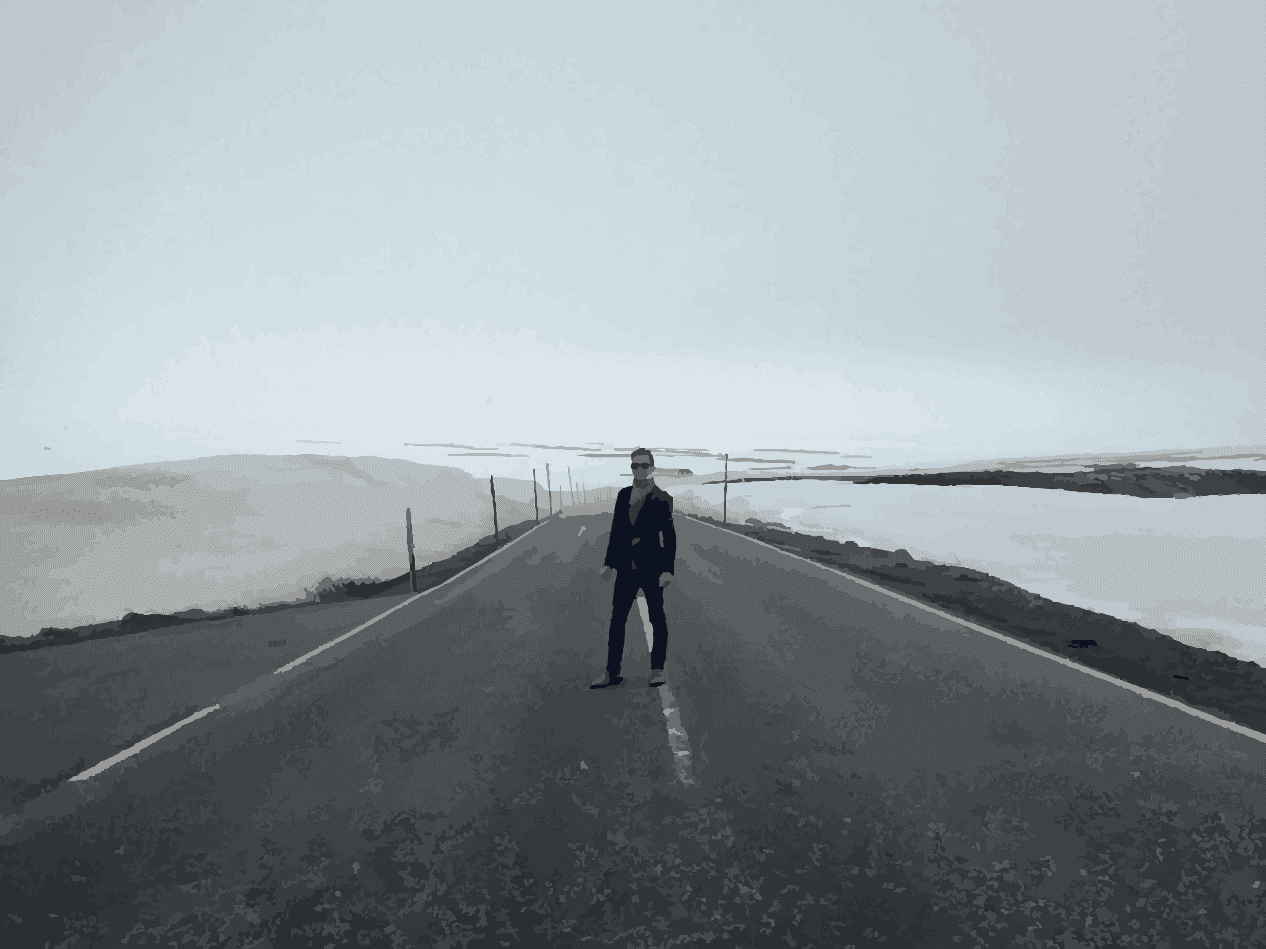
[
  {"x": 657, "y": 678},
  {"x": 607, "y": 681}
]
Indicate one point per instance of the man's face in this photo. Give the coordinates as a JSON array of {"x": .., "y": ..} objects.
[{"x": 641, "y": 468}]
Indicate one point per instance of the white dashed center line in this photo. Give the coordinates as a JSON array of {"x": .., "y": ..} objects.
[
  {"x": 678, "y": 740},
  {"x": 140, "y": 745}
]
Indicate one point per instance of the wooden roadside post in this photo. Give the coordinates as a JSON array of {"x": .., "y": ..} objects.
[
  {"x": 725, "y": 491},
  {"x": 536, "y": 501},
  {"x": 493, "y": 486},
  {"x": 549, "y": 492},
  {"x": 408, "y": 533}
]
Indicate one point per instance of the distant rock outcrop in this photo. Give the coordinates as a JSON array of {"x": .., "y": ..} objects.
[{"x": 1170, "y": 482}]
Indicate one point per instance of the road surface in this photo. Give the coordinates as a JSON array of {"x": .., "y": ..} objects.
[{"x": 446, "y": 770}]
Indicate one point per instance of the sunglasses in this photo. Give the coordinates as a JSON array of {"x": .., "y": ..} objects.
[{"x": 644, "y": 464}]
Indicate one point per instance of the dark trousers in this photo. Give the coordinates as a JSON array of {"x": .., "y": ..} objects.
[{"x": 627, "y": 583}]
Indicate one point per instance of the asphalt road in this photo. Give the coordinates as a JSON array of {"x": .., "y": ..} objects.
[
  {"x": 738, "y": 634},
  {"x": 471, "y": 703}
]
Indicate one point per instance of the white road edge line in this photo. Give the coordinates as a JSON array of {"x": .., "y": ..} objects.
[
  {"x": 140, "y": 745},
  {"x": 399, "y": 606},
  {"x": 158, "y": 736},
  {"x": 678, "y": 740},
  {"x": 334, "y": 642},
  {"x": 1138, "y": 690}
]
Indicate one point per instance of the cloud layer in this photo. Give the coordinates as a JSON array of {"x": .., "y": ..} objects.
[{"x": 983, "y": 228}]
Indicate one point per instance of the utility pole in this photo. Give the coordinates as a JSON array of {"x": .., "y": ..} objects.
[
  {"x": 549, "y": 491},
  {"x": 493, "y": 486},
  {"x": 725, "y": 491},
  {"x": 571, "y": 487},
  {"x": 536, "y": 501},
  {"x": 408, "y": 533}
]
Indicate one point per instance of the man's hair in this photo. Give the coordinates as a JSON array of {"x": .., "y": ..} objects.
[{"x": 642, "y": 451}]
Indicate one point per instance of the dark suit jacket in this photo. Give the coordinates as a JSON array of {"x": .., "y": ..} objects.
[{"x": 640, "y": 543}]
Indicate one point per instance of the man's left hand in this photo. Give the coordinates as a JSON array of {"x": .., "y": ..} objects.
[{"x": 665, "y": 578}]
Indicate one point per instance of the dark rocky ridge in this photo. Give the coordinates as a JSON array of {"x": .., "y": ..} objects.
[{"x": 1178, "y": 481}]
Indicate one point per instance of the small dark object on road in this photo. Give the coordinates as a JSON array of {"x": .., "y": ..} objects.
[
  {"x": 1082, "y": 643},
  {"x": 607, "y": 681}
]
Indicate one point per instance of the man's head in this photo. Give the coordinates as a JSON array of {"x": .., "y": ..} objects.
[{"x": 643, "y": 463}]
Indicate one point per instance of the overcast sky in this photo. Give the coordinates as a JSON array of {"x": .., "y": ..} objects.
[{"x": 964, "y": 229}]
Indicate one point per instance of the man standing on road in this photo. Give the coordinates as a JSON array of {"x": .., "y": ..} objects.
[{"x": 643, "y": 552}]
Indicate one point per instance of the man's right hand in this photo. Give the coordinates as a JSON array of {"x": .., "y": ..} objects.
[{"x": 606, "y": 573}]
